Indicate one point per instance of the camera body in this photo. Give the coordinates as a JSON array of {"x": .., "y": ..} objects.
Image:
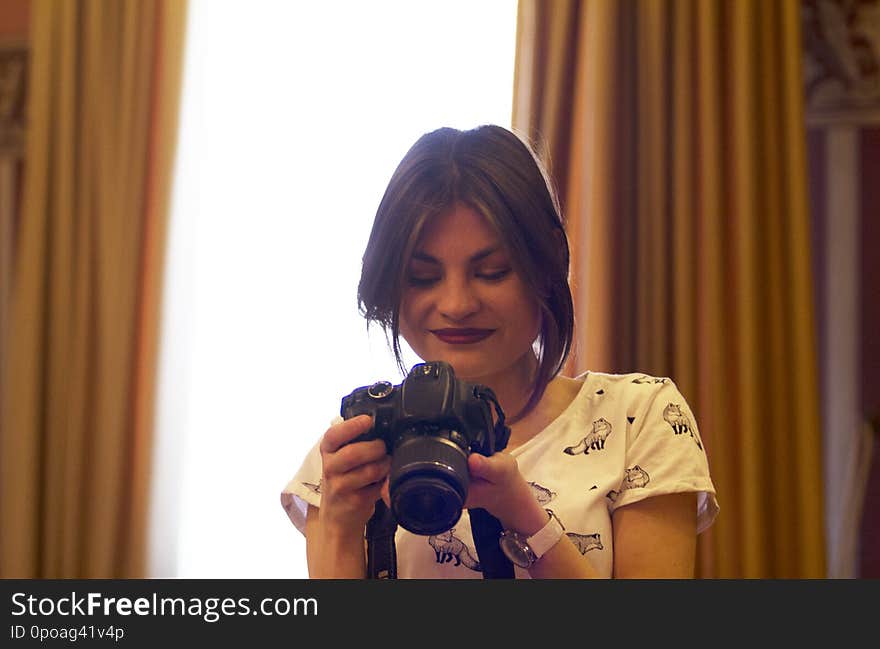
[{"x": 430, "y": 423}]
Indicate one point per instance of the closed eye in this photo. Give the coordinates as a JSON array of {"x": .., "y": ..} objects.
[
  {"x": 420, "y": 281},
  {"x": 495, "y": 275}
]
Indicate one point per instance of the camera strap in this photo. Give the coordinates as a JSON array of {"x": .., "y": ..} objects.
[
  {"x": 487, "y": 530},
  {"x": 382, "y": 552}
]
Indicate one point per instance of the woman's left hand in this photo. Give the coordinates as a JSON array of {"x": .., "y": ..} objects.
[{"x": 498, "y": 487}]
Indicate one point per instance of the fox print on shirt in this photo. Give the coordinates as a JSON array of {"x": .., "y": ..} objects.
[
  {"x": 679, "y": 421},
  {"x": 635, "y": 478},
  {"x": 586, "y": 542},
  {"x": 595, "y": 441},
  {"x": 649, "y": 379},
  {"x": 448, "y": 547},
  {"x": 542, "y": 494},
  {"x": 314, "y": 487}
]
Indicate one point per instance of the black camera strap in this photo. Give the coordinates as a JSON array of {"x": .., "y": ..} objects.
[
  {"x": 487, "y": 530},
  {"x": 382, "y": 552}
]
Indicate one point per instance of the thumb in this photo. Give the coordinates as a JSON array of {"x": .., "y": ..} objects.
[{"x": 491, "y": 469}]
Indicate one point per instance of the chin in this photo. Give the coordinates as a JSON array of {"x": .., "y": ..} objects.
[
  {"x": 464, "y": 367},
  {"x": 470, "y": 371}
]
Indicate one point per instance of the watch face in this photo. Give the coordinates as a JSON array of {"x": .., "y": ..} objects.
[{"x": 516, "y": 550}]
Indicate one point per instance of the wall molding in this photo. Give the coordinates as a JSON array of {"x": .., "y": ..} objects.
[{"x": 841, "y": 41}]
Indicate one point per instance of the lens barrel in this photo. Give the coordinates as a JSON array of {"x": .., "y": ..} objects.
[{"x": 428, "y": 483}]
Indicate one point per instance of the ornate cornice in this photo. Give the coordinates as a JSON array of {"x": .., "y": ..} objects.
[{"x": 841, "y": 40}]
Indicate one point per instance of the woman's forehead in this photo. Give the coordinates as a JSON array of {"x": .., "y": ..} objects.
[{"x": 459, "y": 231}]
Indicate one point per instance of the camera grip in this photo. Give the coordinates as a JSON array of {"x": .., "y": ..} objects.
[{"x": 380, "y": 428}]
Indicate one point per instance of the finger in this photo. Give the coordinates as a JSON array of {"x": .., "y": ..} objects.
[
  {"x": 357, "y": 501},
  {"x": 493, "y": 469},
  {"x": 350, "y": 458},
  {"x": 338, "y": 435},
  {"x": 370, "y": 493},
  {"x": 362, "y": 476}
]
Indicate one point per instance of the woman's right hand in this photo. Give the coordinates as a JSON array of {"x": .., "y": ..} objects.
[{"x": 353, "y": 475}]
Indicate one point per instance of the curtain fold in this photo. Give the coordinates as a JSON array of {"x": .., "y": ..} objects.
[
  {"x": 77, "y": 386},
  {"x": 678, "y": 147}
]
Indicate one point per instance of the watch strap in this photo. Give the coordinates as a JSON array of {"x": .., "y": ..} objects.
[{"x": 545, "y": 538}]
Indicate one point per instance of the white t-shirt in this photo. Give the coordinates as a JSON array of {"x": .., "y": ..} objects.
[{"x": 623, "y": 438}]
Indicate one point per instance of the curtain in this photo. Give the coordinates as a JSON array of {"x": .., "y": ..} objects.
[
  {"x": 674, "y": 130},
  {"x": 80, "y": 348}
]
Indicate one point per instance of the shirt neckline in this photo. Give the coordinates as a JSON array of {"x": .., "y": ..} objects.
[{"x": 585, "y": 379}]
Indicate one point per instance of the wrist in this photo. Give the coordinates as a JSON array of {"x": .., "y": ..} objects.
[
  {"x": 340, "y": 533},
  {"x": 335, "y": 551},
  {"x": 525, "y": 550},
  {"x": 526, "y": 519}
]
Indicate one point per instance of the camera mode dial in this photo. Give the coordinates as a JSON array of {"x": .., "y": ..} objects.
[{"x": 380, "y": 389}]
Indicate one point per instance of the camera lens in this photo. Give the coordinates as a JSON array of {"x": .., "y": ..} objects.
[
  {"x": 426, "y": 505},
  {"x": 428, "y": 483}
]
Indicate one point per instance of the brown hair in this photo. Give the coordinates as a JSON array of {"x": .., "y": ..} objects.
[{"x": 495, "y": 173}]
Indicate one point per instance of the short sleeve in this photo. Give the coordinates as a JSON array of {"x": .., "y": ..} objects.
[
  {"x": 305, "y": 487},
  {"x": 665, "y": 453}
]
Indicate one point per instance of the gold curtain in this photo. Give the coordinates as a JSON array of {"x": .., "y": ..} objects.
[
  {"x": 79, "y": 361},
  {"x": 674, "y": 130}
]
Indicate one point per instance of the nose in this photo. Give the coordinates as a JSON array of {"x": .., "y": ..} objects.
[{"x": 457, "y": 300}]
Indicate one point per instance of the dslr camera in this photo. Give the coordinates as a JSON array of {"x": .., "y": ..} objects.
[{"x": 430, "y": 423}]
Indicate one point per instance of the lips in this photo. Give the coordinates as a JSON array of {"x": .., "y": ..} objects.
[{"x": 462, "y": 336}]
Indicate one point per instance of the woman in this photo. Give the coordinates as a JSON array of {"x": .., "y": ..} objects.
[{"x": 604, "y": 475}]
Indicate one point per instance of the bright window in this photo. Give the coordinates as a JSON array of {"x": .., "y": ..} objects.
[{"x": 294, "y": 116}]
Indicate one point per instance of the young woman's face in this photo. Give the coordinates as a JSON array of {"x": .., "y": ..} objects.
[{"x": 464, "y": 304}]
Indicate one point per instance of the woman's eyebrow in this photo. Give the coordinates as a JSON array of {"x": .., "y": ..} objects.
[
  {"x": 478, "y": 256},
  {"x": 485, "y": 252}
]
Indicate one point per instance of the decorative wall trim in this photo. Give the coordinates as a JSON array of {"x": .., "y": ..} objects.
[
  {"x": 13, "y": 97},
  {"x": 841, "y": 40}
]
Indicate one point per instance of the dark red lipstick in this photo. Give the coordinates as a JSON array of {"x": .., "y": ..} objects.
[{"x": 462, "y": 336}]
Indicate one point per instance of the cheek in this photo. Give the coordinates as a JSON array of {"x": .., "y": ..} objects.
[
  {"x": 408, "y": 312},
  {"x": 527, "y": 311}
]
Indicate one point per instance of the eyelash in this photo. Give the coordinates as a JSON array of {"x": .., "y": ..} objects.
[
  {"x": 495, "y": 276},
  {"x": 423, "y": 282}
]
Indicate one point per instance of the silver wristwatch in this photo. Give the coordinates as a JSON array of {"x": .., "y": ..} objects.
[{"x": 523, "y": 550}]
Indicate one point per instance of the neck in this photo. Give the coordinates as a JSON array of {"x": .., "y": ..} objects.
[
  {"x": 513, "y": 386},
  {"x": 560, "y": 392}
]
